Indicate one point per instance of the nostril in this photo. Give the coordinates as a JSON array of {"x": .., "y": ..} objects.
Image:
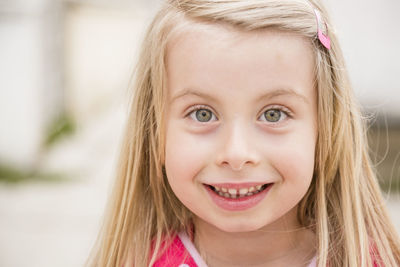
[{"x": 237, "y": 161}]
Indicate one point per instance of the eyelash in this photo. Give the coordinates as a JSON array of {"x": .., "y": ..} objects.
[
  {"x": 195, "y": 108},
  {"x": 282, "y": 109}
]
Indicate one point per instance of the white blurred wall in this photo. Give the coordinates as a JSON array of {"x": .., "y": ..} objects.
[
  {"x": 77, "y": 56},
  {"x": 101, "y": 44},
  {"x": 62, "y": 56},
  {"x": 369, "y": 33},
  {"x": 30, "y": 81}
]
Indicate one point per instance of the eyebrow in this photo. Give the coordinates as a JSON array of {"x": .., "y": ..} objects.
[{"x": 268, "y": 95}]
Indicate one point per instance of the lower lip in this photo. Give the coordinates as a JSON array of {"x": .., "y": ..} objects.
[{"x": 237, "y": 204}]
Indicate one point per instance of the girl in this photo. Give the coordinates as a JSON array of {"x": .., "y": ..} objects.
[{"x": 244, "y": 146}]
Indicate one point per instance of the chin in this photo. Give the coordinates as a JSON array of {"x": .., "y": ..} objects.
[{"x": 240, "y": 227}]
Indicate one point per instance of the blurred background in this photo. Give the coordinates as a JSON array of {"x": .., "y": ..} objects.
[{"x": 65, "y": 66}]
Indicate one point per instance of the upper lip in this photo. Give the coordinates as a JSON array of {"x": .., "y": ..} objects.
[{"x": 237, "y": 185}]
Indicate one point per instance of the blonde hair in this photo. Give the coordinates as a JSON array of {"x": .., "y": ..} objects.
[{"x": 343, "y": 205}]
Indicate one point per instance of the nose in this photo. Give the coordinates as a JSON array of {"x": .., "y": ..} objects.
[{"x": 238, "y": 148}]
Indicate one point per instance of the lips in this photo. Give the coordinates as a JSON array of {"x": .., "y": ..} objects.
[{"x": 237, "y": 197}]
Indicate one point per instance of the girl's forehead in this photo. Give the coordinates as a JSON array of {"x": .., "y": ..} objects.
[
  {"x": 226, "y": 34},
  {"x": 219, "y": 56},
  {"x": 209, "y": 42}
]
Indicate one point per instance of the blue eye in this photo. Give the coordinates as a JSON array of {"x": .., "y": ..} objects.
[
  {"x": 273, "y": 115},
  {"x": 202, "y": 115}
]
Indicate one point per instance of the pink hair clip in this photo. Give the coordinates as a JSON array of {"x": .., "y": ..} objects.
[{"x": 323, "y": 38}]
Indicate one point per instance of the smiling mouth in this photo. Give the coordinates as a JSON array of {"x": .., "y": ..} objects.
[{"x": 233, "y": 193}]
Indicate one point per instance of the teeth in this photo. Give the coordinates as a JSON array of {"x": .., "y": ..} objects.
[
  {"x": 235, "y": 193},
  {"x": 243, "y": 191},
  {"x": 232, "y": 191}
]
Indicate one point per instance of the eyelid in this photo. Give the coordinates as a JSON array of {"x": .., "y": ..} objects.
[
  {"x": 288, "y": 113},
  {"x": 193, "y": 108},
  {"x": 283, "y": 109}
]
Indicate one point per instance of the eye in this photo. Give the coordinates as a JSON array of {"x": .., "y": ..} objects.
[
  {"x": 273, "y": 115},
  {"x": 202, "y": 115}
]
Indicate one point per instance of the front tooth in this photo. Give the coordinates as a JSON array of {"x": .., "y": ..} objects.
[
  {"x": 243, "y": 191},
  {"x": 226, "y": 195},
  {"x": 232, "y": 191},
  {"x": 233, "y": 196},
  {"x": 223, "y": 189},
  {"x": 258, "y": 187}
]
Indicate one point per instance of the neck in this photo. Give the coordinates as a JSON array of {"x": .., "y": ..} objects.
[{"x": 277, "y": 244}]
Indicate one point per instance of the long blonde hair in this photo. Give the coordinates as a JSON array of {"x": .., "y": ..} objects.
[{"x": 343, "y": 205}]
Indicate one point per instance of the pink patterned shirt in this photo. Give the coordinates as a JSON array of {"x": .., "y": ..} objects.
[{"x": 182, "y": 253}]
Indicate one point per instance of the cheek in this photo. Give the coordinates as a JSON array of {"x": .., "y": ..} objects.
[
  {"x": 293, "y": 160},
  {"x": 185, "y": 155},
  {"x": 294, "y": 157}
]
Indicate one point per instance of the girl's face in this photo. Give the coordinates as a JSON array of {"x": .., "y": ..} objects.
[{"x": 240, "y": 126}]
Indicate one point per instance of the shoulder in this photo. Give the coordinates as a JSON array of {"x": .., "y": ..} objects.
[{"x": 174, "y": 254}]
